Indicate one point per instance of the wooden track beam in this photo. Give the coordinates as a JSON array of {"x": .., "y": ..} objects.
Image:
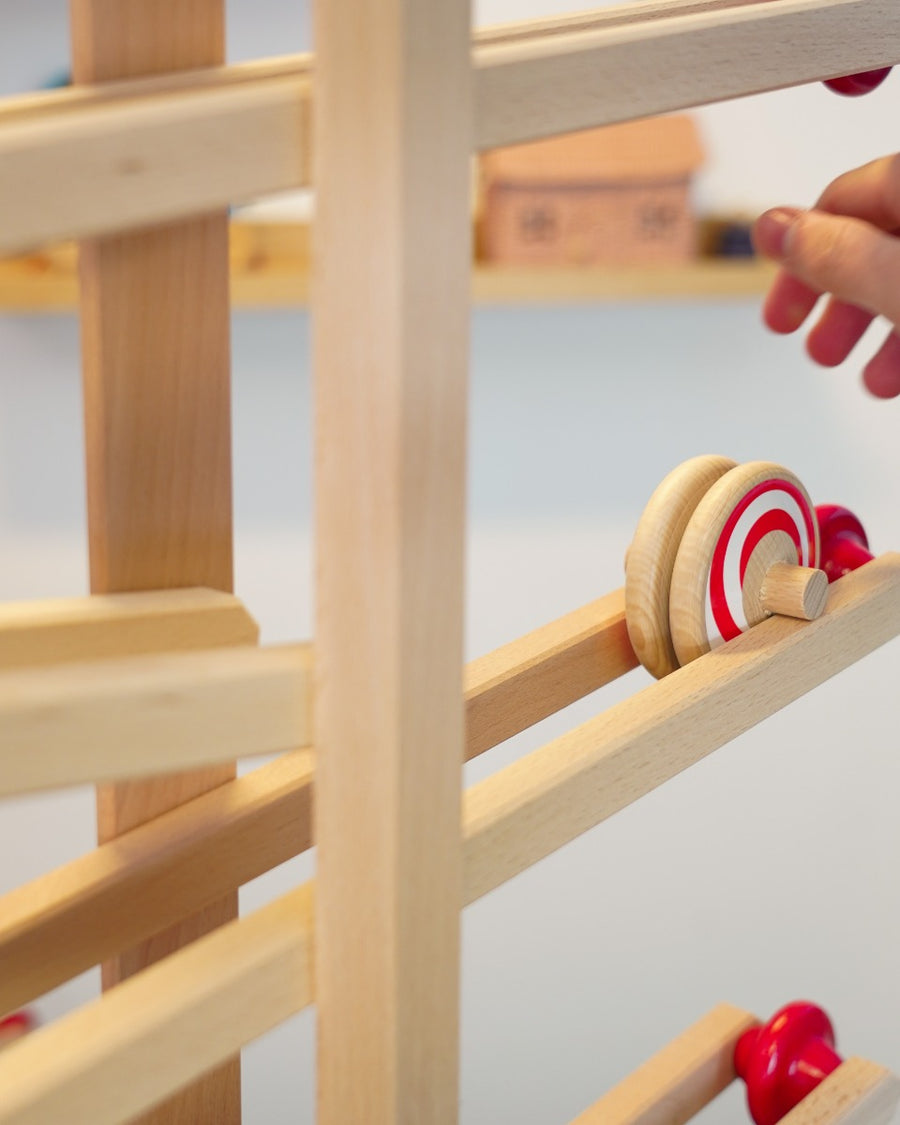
[
  {"x": 165, "y": 1027},
  {"x": 263, "y": 819},
  {"x": 66, "y": 921},
  {"x": 207, "y": 1001},
  {"x": 525, "y": 812},
  {"x": 857, "y": 1093},
  {"x": 682, "y": 1078},
  {"x": 157, "y": 149}
]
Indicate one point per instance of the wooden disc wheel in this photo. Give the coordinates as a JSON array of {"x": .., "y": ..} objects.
[
  {"x": 719, "y": 548},
  {"x": 651, "y": 558}
]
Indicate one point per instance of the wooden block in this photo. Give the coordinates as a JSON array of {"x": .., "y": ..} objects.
[
  {"x": 686, "y": 1075},
  {"x": 541, "y": 802},
  {"x": 62, "y": 630},
  {"x": 857, "y": 1093},
  {"x": 166, "y": 1026},
  {"x": 144, "y": 715}
]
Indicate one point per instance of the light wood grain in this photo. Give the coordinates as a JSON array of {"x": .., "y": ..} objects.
[
  {"x": 68, "y": 920},
  {"x": 144, "y": 715},
  {"x": 682, "y": 1078},
  {"x": 541, "y": 802},
  {"x": 857, "y": 1093},
  {"x": 392, "y": 235},
  {"x": 151, "y": 159},
  {"x": 797, "y": 591},
  {"x": 651, "y": 557},
  {"x": 556, "y": 83},
  {"x": 533, "y": 79},
  {"x": 126, "y": 890},
  {"x": 523, "y": 682},
  {"x": 155, "y": 336},
  {"x": 61, "y": 630},
  {"x": 163, "y": 1028}
]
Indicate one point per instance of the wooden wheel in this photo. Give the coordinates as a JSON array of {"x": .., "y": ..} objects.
[
  {"x": 750, "y": 549},
  {"x": 651, "y": 558}
]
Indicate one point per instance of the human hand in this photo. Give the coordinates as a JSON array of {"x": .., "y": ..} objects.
[{"x": 847, "y": 247}]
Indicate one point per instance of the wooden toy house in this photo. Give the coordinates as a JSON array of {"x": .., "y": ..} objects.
[
  {"x": 614, "y": 196},
  {"x": 153, "y": 685}
]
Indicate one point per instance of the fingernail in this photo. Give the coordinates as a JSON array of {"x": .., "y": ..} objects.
[{"x": 771, "y": 230}]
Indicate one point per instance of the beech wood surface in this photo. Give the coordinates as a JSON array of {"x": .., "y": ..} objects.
[
  {"x": 242, "y": 132},
  {"x": 155, "y": 337},
  {"x": 682, "y": 1078},
  {"x": 65, "y": 922}
]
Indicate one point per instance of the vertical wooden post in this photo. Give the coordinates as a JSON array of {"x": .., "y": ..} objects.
[
  {"x": 390, "y": 332},
  {"x": 156, "y": 359}
]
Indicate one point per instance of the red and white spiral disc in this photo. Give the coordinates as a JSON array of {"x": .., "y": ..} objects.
[{"x": 754, "y": 515}]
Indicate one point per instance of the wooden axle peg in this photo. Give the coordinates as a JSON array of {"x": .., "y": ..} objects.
[
  {"x": 784, "y": 1060},
  {"x": 794, "y": 591}
]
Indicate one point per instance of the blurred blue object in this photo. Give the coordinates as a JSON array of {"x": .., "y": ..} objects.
[{"x": 56, "y": 81}]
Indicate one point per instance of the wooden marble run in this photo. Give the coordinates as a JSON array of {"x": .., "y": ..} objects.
[{"x": 153, "y": 686}]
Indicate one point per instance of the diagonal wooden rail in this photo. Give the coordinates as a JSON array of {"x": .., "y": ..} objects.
[
  {"x": 155, "y": 149},
  {"x": 259, "y": 966},
  {"x": 65, "y": 922}
]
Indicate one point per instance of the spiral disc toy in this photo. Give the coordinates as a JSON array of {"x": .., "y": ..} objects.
[{"x": 722, "y": 546}]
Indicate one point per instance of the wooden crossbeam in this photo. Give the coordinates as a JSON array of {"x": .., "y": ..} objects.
[
  {"x": 157, "y": 149},
  {"x": 591, "y": 75},
  {"x": 66, "y": 921},
  {"x": 140, "y": 716},
  {"x": 682, "y": 1078}
]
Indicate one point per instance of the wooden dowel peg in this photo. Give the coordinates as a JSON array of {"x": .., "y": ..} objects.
[{"x": 794, "y": 591}]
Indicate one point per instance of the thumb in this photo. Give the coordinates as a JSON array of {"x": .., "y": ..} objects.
[{"x": 847, "y": 257}]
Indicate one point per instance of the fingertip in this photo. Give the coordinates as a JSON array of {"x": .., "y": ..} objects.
[
  {"x": 881, "y": 385},
  {"x": 881, "y": 375},
  {"x": 771, "y": 231},
  {"x": 788, "y": 305}
]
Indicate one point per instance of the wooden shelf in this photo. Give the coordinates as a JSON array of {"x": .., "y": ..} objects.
[{"x": 270, "y": 269}]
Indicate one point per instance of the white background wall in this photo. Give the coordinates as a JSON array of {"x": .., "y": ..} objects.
[{"x": 766, "y": 872}]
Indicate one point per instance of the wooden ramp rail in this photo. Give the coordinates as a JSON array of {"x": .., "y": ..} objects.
[
  {"x": 692, "y": 1070},
  {"x": 261, "y": 963},
  {"x": 65, "y": 922},
  {"x": 157, "y": 149}
]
